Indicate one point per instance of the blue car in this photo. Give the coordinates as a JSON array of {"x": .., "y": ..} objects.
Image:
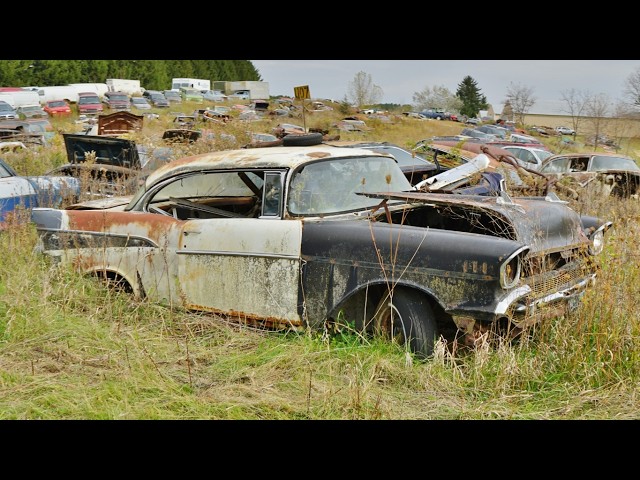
[{"x": 24, "y": 193}]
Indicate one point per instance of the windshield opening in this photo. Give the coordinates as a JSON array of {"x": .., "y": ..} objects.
[
  {"x": 332, "y": 186},
  {"x": 613, "y": 163}
]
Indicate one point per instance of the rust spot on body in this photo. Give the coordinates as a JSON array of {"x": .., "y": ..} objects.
[
  {"x": 241, "y": 317},
  {"x": 153, "y": 225}
]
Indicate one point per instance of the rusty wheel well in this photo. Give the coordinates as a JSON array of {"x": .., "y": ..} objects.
[
  {"x": 114, "y": 280},
  {"x": 359, "y": 308}
]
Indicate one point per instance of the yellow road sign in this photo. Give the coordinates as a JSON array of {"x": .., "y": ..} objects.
[{"x": 302, "y": 92}]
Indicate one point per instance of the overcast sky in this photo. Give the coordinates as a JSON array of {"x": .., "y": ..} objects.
[{"x": 400, "y": 79}]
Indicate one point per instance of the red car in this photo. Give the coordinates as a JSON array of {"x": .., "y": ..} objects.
[{"x": 57, "y": 107}]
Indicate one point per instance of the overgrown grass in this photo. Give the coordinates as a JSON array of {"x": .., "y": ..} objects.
[{"x": 72, "y": 349}]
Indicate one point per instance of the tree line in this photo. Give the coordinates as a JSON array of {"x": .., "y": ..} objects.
[
  {"x": 468, "y": 99},
  {"x": 153, "y": 74}
]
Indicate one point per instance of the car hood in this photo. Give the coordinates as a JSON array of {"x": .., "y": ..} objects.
[
  {"x": 54, "y": 182},
  {"x": 541, "y": 223},
  {"x": 47, "y": 191},
  {"x": 109, "y": 150}
]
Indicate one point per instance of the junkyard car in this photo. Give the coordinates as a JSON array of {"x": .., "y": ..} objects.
[
  {"x": 313, "y": 236},
  {"x": 108, "y": 166},
  {"x": 89, "y": 103},
  {"x": 565, "y": 130},
  {"x": 19, "y": 194},
  {"x": 31, "y": 111},
  {"x": 99, "y": 179},
  {"x": 514, "y": 177},
  {"x": 117, "y": 101},
  {"x": 7, "y": 112},
  {"x": 172, "y": 96},
  {"x": 191, "y": 95},
  {"x": 156, "y": 98},
  {"x": 141, "y": 103},
  {"x": 57, "y": 107},
  {"x": 528, "y": 157},
  {"x": 609, "y": 174},
  {"x": 214, "y": 96}
]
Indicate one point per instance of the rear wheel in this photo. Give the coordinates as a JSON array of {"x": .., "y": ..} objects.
[{"x": 406, "y": 317}]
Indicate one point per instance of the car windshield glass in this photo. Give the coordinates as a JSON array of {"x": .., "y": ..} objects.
[
  {"x": 331, "y": 186},
  {"x": 119, "y": 98},
  {"x": 613, "y": 163},
  {"x": 87, "y": 100},
  {"x": 521, "y": 139},
  {"x": 57, "y": 104},
  {"x": 4, "y": 173},
  {"x": 543, "y": 154},
  {"x": 556, "y": 166}
]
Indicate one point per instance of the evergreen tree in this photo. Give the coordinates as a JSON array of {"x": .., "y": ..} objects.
[
  {"x": 153, "y": 74},
  {"x": 472, "y": 99}
]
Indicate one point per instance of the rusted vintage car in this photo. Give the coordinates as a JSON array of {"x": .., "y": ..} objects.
[
  {"x": 316, "y": 236},
  {"x": 108, "y": 166},
  {"x": 607, "y": 174},
  {"x": 516, "y": 178},
  {"x": 18, "y": 194}
]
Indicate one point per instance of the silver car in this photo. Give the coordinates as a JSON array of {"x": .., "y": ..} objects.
[
  {"x": 529, "y": 157},
  {"x": 7, "y": 112}
]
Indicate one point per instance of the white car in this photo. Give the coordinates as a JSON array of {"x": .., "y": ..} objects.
[
  {"x": 565, "y": 131},
  {"x": 528, "y": 157}
]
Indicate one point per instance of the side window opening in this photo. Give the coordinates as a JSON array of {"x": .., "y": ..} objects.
[
  {"x": 272, "y": 194},
  {"x": 211, "y": 195}
]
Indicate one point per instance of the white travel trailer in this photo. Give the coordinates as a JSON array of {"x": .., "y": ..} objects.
[
  {"x": 57, "y": 92},
  {"x": 197, "y": 83},
  {"x": 98, "y": 88},
  {"x": 20, "y": 98},
  {"x": 130, "y": 87}
]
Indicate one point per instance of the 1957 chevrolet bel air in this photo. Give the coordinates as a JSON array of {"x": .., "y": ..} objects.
[{"x": 308, "y": 236}]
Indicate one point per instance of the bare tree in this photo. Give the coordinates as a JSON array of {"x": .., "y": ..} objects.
[
  {"x": 362, "y": 91},
  {"x": 521, "y": 99},
  {"x": 437, "y": 97},
  {"x": 620, "y": 127},
  {"x": 597, "y": 117},
  {"x": 631, "y": 89},
  {"x": 575, "y": 102}
]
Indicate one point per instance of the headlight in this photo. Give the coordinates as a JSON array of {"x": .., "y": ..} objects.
[
  {"x": 511, "y": 269},
  {"x": 597, "y": 242}
]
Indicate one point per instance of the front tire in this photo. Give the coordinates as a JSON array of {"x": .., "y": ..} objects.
[{"x": 406, "y": 317}]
